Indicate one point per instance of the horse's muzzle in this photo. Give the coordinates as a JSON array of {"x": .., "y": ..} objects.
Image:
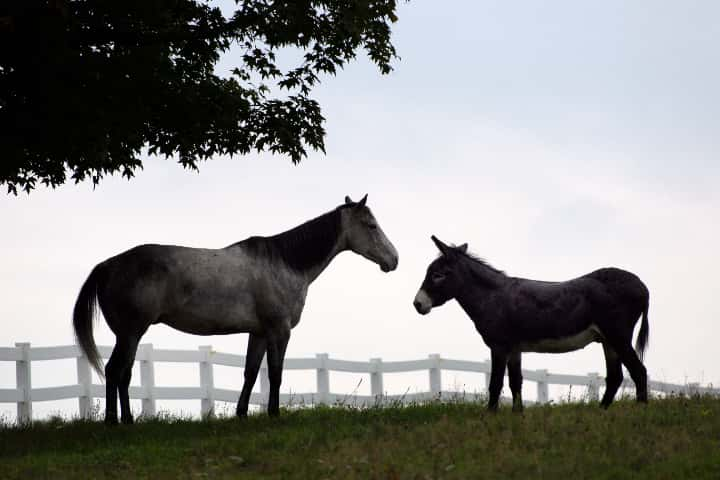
[{"x": 389, "y": 267}]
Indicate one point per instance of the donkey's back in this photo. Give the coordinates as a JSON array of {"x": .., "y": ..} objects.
[{"x": 621, "y": 285}]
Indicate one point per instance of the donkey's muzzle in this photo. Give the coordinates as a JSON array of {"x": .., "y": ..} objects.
[{"x": 422, "y": 302}]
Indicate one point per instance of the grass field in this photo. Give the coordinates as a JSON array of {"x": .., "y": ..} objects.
[{"x": 677, "y": 438}]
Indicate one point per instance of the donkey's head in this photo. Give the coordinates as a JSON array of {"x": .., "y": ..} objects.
[
  {"x": 443, "y": 278},
  {"x": 364, "y": 236}
]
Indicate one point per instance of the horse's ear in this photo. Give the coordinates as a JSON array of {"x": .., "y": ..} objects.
[
  {"x": 444, "y": 249},
  {"x": 362, "y": 202},
  {"x": 463, "y": 248},
  {"x": 348, "y": 201}
]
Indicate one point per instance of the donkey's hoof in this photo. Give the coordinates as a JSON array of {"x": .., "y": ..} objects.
[
  {"x": 128, "y": 420},
  {"x": 111, "y": 420}
]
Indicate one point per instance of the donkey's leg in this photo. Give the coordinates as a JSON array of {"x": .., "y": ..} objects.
[
  {"x": 515, "y": 378},
  {"x": 277, "y": 345},
  {"x": 125, "y": 413},
  {"x": 637, "y": 370},
  {"x": 498, "y": 360},
  {"x": 255, "y": 352},
  {"x": 614, "y": 377}
]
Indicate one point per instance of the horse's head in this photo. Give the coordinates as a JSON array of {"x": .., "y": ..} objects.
[
  {"x": 443, "y": 278},
  {"x": 364, "y": 236}
]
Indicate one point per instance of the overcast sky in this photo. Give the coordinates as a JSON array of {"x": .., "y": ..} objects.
[{"x": 554, "y": 137}]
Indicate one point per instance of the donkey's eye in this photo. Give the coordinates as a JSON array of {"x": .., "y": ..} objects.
[
  {"x": 371, "y": 226},
  {"x": 438, "y": 277}
]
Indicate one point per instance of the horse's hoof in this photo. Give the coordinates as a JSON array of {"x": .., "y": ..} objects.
[
  {"x": 111, "y": 421},
  {"x": 127, "y": 420}
]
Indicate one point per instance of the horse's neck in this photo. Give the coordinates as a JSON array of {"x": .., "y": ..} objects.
[
  {"x": 312, "y": 273},
  {"x": 307, "y": 249}
]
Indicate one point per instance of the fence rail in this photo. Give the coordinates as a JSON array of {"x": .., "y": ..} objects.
[{"x": 205, "y": 357}]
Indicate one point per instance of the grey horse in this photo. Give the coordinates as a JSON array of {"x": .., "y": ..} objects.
[
  {"x": 256, "y": 286},
  {"x": 515, "y": 315}
]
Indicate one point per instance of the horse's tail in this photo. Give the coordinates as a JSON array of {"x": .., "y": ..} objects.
[
  {"x": 642, "y": 338},
  {"x": 83, "y": 316}
]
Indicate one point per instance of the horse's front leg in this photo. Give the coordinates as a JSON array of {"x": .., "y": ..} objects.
[
  {"x": 498, "y": 361},
  {"x": 276, "y": 347},
  {"x": 255, "y": 352}
]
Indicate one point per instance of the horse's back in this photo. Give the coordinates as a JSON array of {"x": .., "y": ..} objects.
[
  {"x": 196, "y": 290},
  {"x": 158, "y": 279}
]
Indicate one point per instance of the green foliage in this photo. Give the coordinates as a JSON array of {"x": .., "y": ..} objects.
[
  {"x": 85, "y": 86},
  {"x": 673, "y": 438}
]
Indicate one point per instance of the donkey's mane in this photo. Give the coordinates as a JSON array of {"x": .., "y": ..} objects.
[
  {"x": 483, "y": 262},
  {"x": 302, "y": 247},
  {"x": 479, "y": 261}
]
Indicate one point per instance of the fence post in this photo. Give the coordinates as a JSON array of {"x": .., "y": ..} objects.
[
  {"x": 323, "y": 379},
  {"x": 376, "y": 380},
  {"x": 23, "y": 379},
  {"x": 147, "y": 380},
  {"x": 207, "y": 382},
  {"x": 542, "y": 387},
  {"x": 693, "y": 389},
  {"x": 264, "y": 383},
  {"x": 488, "y": 374},
  {"x": 85, "y": 380},
  {"x": 593, "y": 388},
  {"x": 435, "y": 376}
]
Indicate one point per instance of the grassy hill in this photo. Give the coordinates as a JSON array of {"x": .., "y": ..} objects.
[{"x": 677, "y": 438}]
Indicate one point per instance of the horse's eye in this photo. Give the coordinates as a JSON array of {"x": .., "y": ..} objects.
[
  {"x": 438, "y": 277},
  {"x": 372, "y": 226}
]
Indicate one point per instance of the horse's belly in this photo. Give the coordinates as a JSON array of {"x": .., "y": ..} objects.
[
  {"x": 213, "y": 327},
  {"x": 563, "y": 344},
  {"x": 214, "y": 321}
]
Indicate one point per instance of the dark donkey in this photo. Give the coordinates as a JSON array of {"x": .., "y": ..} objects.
[
  {"x": 257, "y": 286},
  {"x": 516, "y": 315}
]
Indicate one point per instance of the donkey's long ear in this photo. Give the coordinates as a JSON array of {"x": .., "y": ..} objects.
[
  {"x": 348, "y": 200},
  {"x": 444, "y": 249},
  {"x": 362, "y": 202},
  {"x": 463, "y": 247}
]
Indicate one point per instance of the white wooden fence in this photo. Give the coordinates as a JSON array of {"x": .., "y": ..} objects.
[{"x": 85, "y": 391}]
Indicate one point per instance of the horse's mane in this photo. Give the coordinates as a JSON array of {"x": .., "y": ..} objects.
[{"x": 302, "y": 247}]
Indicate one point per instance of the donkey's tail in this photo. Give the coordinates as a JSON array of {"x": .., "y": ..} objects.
[
  {"x": 83, "y": 316},
  {"x": 642, "y": 338}
]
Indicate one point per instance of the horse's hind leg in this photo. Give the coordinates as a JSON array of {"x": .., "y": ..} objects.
[
  {"x": 111, "y": 388},
  {"x": 255, "y": 352},
  {"x": 515, "y": 378},
  {"x": 126, "y": 416},
  {"x": 118, "y": 378},
  {"x": 614, "y": 376}
]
